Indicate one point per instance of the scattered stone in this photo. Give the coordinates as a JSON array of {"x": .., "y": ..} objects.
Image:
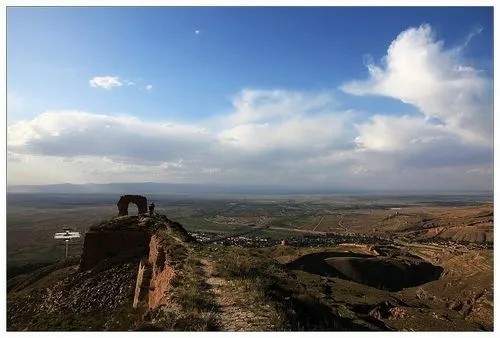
[{"x": 397, "y": 313}]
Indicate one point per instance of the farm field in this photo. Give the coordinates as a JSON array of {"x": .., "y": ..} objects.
[{"x": 32, "y": 219}]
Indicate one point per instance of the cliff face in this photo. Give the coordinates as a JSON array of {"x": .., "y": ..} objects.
[
  {"x": 156, "y": 272},
  {"x": 162, "y": 274}
]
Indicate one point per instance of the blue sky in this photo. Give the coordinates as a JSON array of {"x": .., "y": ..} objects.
[{"x": 212, "y": 74}]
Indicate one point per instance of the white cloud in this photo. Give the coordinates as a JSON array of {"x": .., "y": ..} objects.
[
  {"x": 420, "y": 71},
  {"x": 149, "y": 87},
  {"x": 394, "y": 133},
  {"x": 197, "y": 32},
  {"x": 409, "y": 143},
  {"x": 284, "y": 120},
  {"x": 453, "y": 133},
  {"x": 288, "y": 137},
  {"x": 305, "y": 126},
  {"x": 258, "y": 105},
  {"x": 476, "y": 31},
  {"x": 106, "y": 82},
  {"x": 304, "y": 143},
  {"x": 121, "y": 138}
]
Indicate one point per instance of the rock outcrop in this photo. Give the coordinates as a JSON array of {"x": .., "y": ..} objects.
[
  {"x": 147, "y": 238},
  {"x": 125, "y": 200},
  {"x": 126, "y": 237}
]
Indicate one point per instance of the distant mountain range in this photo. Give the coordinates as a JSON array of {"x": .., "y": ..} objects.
[
  {"x": 204, "y": 189},
  {"x": 150, "y": 187}
]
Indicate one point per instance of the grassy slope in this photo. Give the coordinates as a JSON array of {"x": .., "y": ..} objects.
[{"x": 276, "y": 298}]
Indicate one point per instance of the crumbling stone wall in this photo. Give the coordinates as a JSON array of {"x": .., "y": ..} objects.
[
  {"x": 140, "y": 201},
  {"x": 107, "y": 244}
]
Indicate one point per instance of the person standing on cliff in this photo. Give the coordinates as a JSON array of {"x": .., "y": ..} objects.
[{"x": 151, "y": 208}]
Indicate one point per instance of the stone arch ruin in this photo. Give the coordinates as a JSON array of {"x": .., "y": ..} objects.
[{"x": 140, "y": 201}]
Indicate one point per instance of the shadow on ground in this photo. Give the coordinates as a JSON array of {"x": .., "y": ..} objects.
[{"x": 386, "y": 273}]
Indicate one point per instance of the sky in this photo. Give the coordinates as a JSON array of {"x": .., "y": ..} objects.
[{"x": 387, "y": 98}]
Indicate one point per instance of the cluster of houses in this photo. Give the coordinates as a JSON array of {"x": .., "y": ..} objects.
[{"x": 303, "y": 241}]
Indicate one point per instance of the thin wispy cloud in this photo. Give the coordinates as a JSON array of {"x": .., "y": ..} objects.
[
  {"x": 111, "y": 82},
  {"x": 474, "y": 32},
  {"x": 106, "y": 82}
]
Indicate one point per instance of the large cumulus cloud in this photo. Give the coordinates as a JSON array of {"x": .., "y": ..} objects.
[{"x": 418, "y": 70}]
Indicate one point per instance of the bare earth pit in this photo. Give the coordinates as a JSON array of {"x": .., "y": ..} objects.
[{"x": 386, "y": 273}]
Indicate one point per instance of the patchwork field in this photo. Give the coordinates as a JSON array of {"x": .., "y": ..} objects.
[{"x": 32, "y": 219}]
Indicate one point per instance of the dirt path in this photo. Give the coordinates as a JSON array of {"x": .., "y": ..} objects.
[
  {"x": 233, "y": 315},
  {"x": 317, "y": 225},
  {"x": 341, "y": 225}
]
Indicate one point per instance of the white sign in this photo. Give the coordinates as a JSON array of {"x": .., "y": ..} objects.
[{"x": 67, "y": 235}]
